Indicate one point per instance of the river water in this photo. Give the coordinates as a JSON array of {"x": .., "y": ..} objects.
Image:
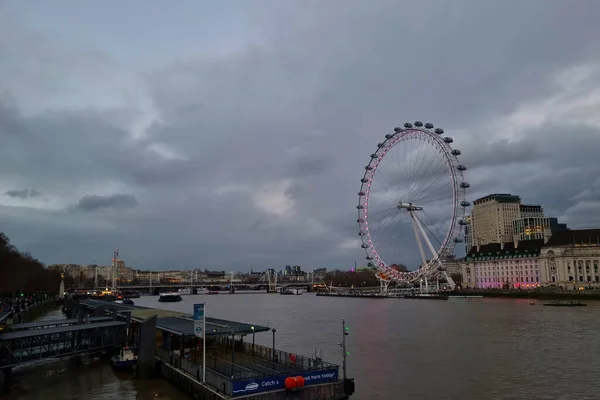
[{"x": 489, "y": 349}]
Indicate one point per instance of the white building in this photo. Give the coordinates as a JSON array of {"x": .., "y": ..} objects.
[
  {"x": 571, "y": 259},
  {"x": 469, "y": 239},
  {"x": 493, "y": 217},
  {"x": 510, "y": 265}
]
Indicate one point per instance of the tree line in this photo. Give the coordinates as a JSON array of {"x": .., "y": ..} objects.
[{"x": 20, "y": 272}]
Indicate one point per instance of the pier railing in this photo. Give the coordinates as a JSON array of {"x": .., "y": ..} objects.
[
  {"x": 281, "y": 359},
  {"x": 217, "y": 374},
  {"x": 224, "y": 367}
]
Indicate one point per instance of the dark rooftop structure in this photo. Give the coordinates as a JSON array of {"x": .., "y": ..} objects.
[
  {"x": 181, "y": 324},
  {"x": 575, "y": 238},
  {"x": 54, "y": 323},
  {"x": 536, "y": 207},
  {"x": 495, "y": 251},
  {"x": 500, "y": 198},
  {"x": 59, "y": 329}
]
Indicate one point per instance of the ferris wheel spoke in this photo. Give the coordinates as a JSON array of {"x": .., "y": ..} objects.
[
  {"x": 434, "y": 196},
  {"x": 438, "y": 175},
  {"x": 425, "y": 161}
]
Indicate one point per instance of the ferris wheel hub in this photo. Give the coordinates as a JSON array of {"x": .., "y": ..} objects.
[{"x": 409, "y": 206}]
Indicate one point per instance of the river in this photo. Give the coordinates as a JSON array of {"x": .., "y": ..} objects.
[{"x": 492, "y": 349}]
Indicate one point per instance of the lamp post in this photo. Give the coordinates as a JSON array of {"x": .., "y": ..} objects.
[
  {"x": 252, "y": 327},
  {"x": 273, "y": 330},
  {"x": 232, "y": 347}
]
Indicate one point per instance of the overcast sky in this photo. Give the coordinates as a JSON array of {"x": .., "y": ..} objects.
[{"x": 234, "y": 134}]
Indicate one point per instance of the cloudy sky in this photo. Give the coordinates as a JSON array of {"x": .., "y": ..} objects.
[{"x": 233, "y": 134}]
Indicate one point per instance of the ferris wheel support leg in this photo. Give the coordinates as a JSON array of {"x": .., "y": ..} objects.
[
  {"x": 416, "y": 227},
  {"x": 420, "y": 228},
  {"x": 384, "y": 286}
]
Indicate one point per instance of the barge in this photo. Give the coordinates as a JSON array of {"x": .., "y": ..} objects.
[{"x": 565, "y": 303}]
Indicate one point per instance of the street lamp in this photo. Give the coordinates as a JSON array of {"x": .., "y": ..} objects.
[
  {"x": 252, "y": 327},
  {"x": 232, "y": 347},
  {"x": 273, "y": 330}
]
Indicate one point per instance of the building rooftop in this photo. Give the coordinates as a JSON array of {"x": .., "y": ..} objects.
[
  {"x": 500, "y": 198},
  {"x": 576, "y": 237},
  {"x": 525, "y": 247}
]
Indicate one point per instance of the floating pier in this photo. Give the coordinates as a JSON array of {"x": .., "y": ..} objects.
[{"x": 234, "y": 367}]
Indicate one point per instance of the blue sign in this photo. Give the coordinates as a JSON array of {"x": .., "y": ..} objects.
[
  {"x": 251, "y": 386},
  {"x": 198, "y": 312},
  {"x": 199, "y": 320}
]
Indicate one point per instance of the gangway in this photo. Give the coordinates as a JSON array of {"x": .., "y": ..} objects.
[
  {"x": 35, "y": 344},
  {"x": 54, "y": 323}
]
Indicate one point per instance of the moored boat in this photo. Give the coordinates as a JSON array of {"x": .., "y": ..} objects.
[
  {"x": 290, "y": 291},
  {"x": 169, "y": 297},
  {"x": 431, "y": 296},
  {"x": 125, "y": 359},
  {"x": 565, "y": 303}
]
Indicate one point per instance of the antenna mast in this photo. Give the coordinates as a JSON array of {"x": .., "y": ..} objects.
[{"x": 114, "y": 274}]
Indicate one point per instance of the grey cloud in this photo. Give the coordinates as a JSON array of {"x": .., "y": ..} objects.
[
  {"x": 23, "y": 193},
  {"x": 92, "y": 203},
  {"x": 250, "y": 117},
  {"x": 501, "y": 153}
]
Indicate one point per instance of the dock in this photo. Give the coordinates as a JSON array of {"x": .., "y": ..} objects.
[{"x": 235, "y": 367}]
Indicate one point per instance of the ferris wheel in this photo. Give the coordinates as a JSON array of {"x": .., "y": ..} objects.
[{"x": 412, "y": 201}]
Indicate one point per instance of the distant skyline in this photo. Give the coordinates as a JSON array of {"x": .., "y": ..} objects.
[{"x": 228, "y": 134}]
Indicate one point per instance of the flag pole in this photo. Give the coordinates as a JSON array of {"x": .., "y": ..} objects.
[{"x": 204, "y": 345}]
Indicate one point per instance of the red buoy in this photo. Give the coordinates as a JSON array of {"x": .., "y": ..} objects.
[
  {"x": 290, "y": 382},
  {"x": 294, "y": 382}
]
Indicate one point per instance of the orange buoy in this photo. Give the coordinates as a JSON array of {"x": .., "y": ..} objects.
[
  {"x": 290, "y": 382},
  {"x": 294, "y": 382}
]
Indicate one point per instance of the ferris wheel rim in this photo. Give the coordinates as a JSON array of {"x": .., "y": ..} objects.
[{"x": 453, "y": 169}]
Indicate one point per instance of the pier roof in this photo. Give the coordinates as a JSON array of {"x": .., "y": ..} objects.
[
  {"x": 58, "y": 322},
  {"x": 179, "y": 323},
  {"x": 59, "y": 329},
  {"x": 184, "y": 326}
]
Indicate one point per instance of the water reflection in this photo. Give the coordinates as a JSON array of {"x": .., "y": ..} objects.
[{"x": 491, "y": 349}]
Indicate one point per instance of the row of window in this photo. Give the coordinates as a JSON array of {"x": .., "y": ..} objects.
[{"x": 507, "y": 280}]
